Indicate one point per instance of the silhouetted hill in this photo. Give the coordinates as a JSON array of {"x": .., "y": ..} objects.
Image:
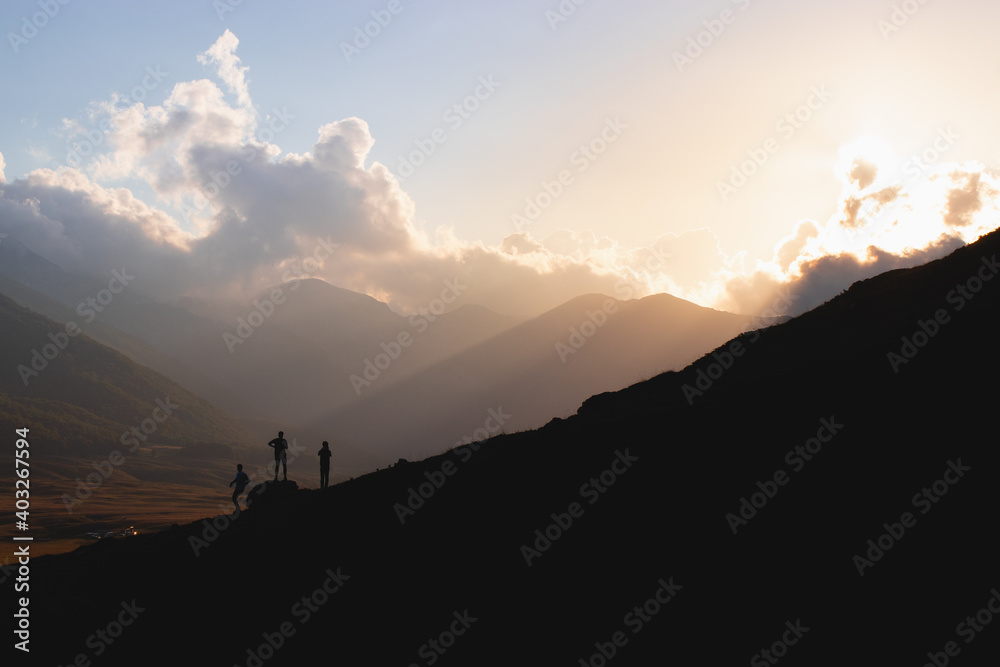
[{"x": 868, "y": 533}]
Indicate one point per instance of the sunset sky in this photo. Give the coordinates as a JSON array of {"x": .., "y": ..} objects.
[{"x": 832, "y": 99}]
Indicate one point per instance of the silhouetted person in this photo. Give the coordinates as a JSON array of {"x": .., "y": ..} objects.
[
  {"x": 324, "y": 465},
  {"x": 241, "y": 482},
  {"x": 280, "y": 447}
]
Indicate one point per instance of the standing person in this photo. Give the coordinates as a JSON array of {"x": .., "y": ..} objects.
[
  {"x": 280, "y": 447},
  {"x": 241, "y": 482},
  {"x": 324, "y": 465}
]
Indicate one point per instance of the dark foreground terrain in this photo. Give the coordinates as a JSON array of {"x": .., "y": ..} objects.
[{"x": 868, "y": 535}]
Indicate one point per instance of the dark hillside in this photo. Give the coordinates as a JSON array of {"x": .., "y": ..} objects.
[{"x": 810, "y": 422}]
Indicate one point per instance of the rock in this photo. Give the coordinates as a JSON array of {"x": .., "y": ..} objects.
[{"x": 271, "y": 493}]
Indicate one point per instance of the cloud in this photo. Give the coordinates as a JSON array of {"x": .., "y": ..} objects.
[
  {"x": 896, "y": 226},
  {"x": 90, "y": 230},
  {"x": 790, "y": 248},
  {"x": 863, "y": 172},
  {"x": 3, "y": 165},
  {"x": 223, "y": 56},
  {"x": 234, "y": 214},
  {"x": 520, "y": 244},
  {"x": 822, "y": 278},
  {"x": 965, "y": 201},
  {"x": 858, "y": 208}
]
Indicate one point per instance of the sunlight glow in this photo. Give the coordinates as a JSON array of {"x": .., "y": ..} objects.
[{"x": 871, "y": 151}]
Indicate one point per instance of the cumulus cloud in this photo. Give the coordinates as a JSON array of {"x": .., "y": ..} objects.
[
  {"x": 3, "y": 165},
  {"x": 821, "y": 278},
  {"x": 857, "y": 208},
  {"x": 223, "y": 56},
  {"x": 863, "y": 173},
  {"x": 520, "y": 244},
  {"x": 789, "y": 248},
  {"x": 967, "y": 199},
  {"x": 883, "y": 228},
  {"x": 235, "y": 214}
]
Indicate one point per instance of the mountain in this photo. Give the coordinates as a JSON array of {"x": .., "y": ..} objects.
[
  {"x": 82, "y": 397},
  {"x": 22, "y": 265},
  {"x": 292, "y": 350},
  {"x": 828, "y": 498},
  {"x": 128, "y": 322},
  {"x": 61, "y": 379},
  {"x": 231, "y": 351},
  {"x": 318, "y": 357},
  {"x": 538, "y": 370},
  {"x": 145, "y": 445},
  {"x": 135, "y": 349}
]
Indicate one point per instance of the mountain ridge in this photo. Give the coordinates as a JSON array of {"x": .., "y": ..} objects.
[
  {"x": 539, "y": 369},
  {"x": 832, "y": 544}
]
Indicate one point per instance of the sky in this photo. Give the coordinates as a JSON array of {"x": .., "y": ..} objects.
[{"x": 731, "y": 153}]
